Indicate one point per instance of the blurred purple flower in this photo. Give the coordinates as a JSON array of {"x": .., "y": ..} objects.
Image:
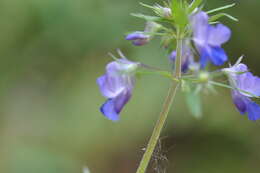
[
  {"x": 247, "y": 85},
  {"x": 187, "y": 57},
  {"x": 117, "y": 85},
  {"x": 208, "y": 39},
  {"x": 138, "y": 38}
]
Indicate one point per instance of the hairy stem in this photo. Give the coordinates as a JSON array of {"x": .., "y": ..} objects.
[{"x": 165, "y": 110}]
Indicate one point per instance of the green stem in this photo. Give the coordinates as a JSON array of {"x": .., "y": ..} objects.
[
  {"x": 178, "y": 61},
  {"x": 165, "y": 110},
  {"x": 161, "y": 73}
]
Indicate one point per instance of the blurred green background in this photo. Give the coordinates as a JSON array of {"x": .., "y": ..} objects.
[{"x": 52, "y": 51}]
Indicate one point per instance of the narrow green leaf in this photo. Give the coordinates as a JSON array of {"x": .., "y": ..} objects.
[
  {"x": 213, "y": 23},
  {"x": 217, "y": 16},
  {"x": 230, "y": 87},
  {"x": 147, "y": 6},
  {"x": 221, "y": 85},
  {"x": 194, "y": 5},
  {"x": 161, "y": 73},
  {"x": 146, "y": 17},
  {"x": 113, "y": 56},
  {"x": 221, "y": 8},
  {"x": 194, "y": 103}
]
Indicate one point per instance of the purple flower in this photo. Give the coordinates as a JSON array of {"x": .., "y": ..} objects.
[
  {"x": 117, "y": 85},
  {"x": 246, "y": 86},
  {"x": 208, "y": 39},
  {"x": 140, "y": 38},
  {"x": 187, "y": 57}
]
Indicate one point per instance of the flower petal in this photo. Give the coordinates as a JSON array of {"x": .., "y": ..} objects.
[
  {"x": 253, "y": 111},
  {"x": 140, "y": 42},
  {"x": 249, "y": 83},
  {"x": 245, "y": 81},
  {"x": 204, "y": 57},
  {"x": 218, "y": 35},
  {"x": 236, "y": 69},
  {"x": 136, "y": 35},
  {"x": 108, "y": 109},
  {"x": 217, "y": 55},
  {"x": 200, "y": 27},
  {"x": 116, "y": 78},
  {"x": 122, "y": 99},
  {"x": 240, "y": 101},
  {"x": 110, "y": 86},
  {"x": 112, "y": 107}
]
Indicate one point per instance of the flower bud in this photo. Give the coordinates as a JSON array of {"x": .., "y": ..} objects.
[
  {"x": 166, "y": 12},
  {"x": 204, "y": 77},
  {"x": 138, "y": 38}
]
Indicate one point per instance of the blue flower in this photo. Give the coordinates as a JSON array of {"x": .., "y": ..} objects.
[
  {"x": 187, "y": 57},
  {"x": 117, "y": 86},
  {"x": 208, "y": 39},
  {"x": 140, "y": 38},
  {"x": 246, "y": 86}
]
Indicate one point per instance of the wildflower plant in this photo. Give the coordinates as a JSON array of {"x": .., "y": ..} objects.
[{"x": 193, "y": 39}]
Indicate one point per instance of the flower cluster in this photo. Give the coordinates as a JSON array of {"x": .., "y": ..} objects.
[{"x": 201, "y": 36}]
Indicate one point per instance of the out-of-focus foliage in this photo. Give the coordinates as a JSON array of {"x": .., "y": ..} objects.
[{"x": 51, "y": 53}]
